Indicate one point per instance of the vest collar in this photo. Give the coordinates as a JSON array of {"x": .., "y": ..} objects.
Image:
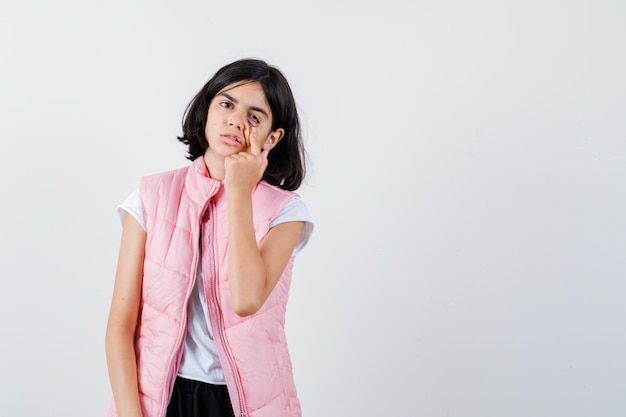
[{"x": 199, "y": 186}]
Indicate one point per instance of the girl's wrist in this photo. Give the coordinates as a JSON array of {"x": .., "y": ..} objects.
[{"x": 238, "y": 196}]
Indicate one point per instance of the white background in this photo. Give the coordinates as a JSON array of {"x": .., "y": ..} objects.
[{"x": 467, "y": 183}]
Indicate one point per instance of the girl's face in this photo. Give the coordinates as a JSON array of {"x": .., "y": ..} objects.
[{"x": 232, "y": 112}]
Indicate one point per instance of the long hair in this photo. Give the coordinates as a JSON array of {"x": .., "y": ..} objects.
[{"x": 286, "y": 162}]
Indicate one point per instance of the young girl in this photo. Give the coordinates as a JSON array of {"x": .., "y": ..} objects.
[{"x": 196, "y": 326}]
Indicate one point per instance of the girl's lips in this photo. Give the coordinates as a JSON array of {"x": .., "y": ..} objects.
[{"x": 231, "y": 139}]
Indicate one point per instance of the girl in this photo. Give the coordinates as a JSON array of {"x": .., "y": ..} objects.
[{"x": 196, "y": 326}]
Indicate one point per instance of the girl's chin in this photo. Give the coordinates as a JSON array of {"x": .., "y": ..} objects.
[{"x": 221, "y": 152}]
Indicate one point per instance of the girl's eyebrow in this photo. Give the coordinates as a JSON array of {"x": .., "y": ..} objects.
[{"x": 234, "y": 100}]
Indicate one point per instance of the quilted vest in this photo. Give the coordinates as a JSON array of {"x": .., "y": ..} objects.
[{"x": 187, "y": 223}]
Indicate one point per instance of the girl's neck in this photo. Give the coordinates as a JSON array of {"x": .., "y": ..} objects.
[{"x": 215, "y": 165}]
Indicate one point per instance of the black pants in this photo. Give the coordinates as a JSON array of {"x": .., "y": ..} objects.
[{"x": 199, "y": 399}]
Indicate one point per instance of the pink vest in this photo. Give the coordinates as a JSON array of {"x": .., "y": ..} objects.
[{"x": 252, "y": 350}]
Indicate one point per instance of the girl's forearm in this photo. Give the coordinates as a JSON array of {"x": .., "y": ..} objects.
[
  {"x": 121, "y": 361},
  {"x": 246, "y": 269}
]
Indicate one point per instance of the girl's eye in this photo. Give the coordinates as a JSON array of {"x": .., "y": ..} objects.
[
  {"x": 254, "y": 119},
  {"x": 226, "y": 104}
]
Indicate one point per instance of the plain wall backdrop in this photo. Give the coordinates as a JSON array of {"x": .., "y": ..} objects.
[{"x": 467, "y": 181}]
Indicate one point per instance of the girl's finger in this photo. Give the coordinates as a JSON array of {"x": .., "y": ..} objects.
[{"x": 255, "y": 143}]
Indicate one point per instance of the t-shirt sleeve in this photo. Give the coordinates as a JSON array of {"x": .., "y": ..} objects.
[
  {"x": 133, "y": 205},
  {"x": 296, "y": 211}
]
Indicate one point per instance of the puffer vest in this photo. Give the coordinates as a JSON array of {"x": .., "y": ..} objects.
[{"x": 187, "y": 223}]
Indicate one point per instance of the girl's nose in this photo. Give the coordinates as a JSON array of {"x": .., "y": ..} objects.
[{"x": 236, "y": 120}]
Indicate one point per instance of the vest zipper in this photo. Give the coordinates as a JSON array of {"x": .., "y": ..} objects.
[{"x": 217, "y": 314}]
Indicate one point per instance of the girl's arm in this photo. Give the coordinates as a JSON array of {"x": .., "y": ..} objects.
[
  {"x": 254, "y": 270},
  {"x": 120, "y": 334}
]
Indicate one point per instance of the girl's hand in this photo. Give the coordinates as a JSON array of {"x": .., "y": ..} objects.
[{"x": 245, "y": 169}]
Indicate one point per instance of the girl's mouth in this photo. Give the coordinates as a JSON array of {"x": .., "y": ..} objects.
[{"x": 232, "y": 139}]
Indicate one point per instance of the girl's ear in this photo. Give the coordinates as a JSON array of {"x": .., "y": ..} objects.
[{"x": 272, "y": 140}]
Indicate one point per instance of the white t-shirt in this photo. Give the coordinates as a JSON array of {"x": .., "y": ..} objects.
[{"x": 200, "y": 360}]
